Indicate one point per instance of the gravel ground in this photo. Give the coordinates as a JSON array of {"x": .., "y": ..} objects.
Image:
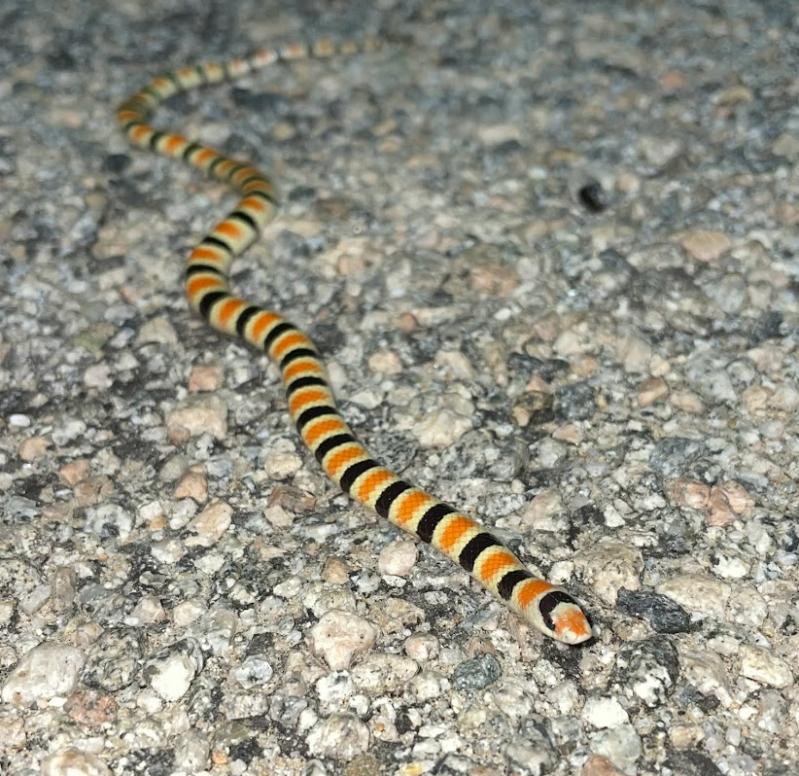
[{"x": 550, "y": 252}]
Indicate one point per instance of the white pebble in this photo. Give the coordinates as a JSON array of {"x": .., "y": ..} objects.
[
  {"x": 761, "y": 666},
  {"x": 147, "y": 611},
  {"x": 253, "y": 671},
  {"x": 604, "y": 713},
  {"x": 621, "y": 745},
  {"x": 282, "y": 465},
  {"x": 441, "y": 428},
  {"x": 172, "y": 676},
  {"x": 339, "y": 636},
  {"x": 697, "y": 593},
  {"x": 199, "y": 416},
  {"x": 383, "y": 672},
  {"x": 158, "y": 330},
  {"x": 339, "y": 737},
  {"x": 47, "y": 671},
  {"x": 187, "y": 612},
  {"x": 191, "y": 751},
  {"x": 397, "y": 558},
  {"x": 422, "y": 647}
]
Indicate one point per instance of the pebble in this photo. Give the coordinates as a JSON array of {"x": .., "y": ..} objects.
[
  {"x": 697, "y": 593},
  {"x": 201, "y": 416},
  {"x": 652, "y": 391},
  {"x": 533, "y": 408},
  {"x": 660, "y": 151},
  {"x": 599, "y": 765},
  {"x": 278, "y": 517},
  {"x": 714, "y": 385},
  {"x": 109, "y": 520},
  {"x": 253, "y": 671},
  {"x": 380, "y": 672},
  {"x": 187, "y": 612},
  {"x": 608, "y": 566},
  {"x": 758, "y": 664},
  {"x": 397, "y": 558},
  {"x": 158, "y": 330},
  {"x": 692, "y": 763},
  {"x": 191, "y": 749},
  {"x": 339, "y": 737},
  {"x": 335, "y": 571},
  {"x": 74, "y": 472},
  {"x": 98, "y": 376},
  {"x": 147, "y": 611},
  {"x": 634, "y": 353},
  {"x": 476, "y": 674},
  {"x": 422, "y": 647},
  {"x": 705, "y": 245},
  {"x": 385, "y": 362},
  {"x": 684, "y": 736},
  {"x": 534, "y": 756},
  {"x": 621, "y": 745},
  {"x": 722, "y": 503},
  {"x": 688, "y": 493},
  {"x": 32, "y": 448},
  {"x": 736, "y": 496},
  {"x": 441, "y": 428},
  {"x": 12, "y": 734},
  {"x": 91, "y": 708},
  {"x": 205, "y": 378},
  {"x": 569, "y": 432},
  {"x": 282, "y": 464},
  {"x": 339, "y": 636},
  {"x": 92, "y": 490},
  {"x": 687, "y": 401},
  {"x": 575, "y": 402},
  {"x": 663, "y": 614},
  {"x": 210, "y": 524},
  {"x": 171, "y": 676},
  {"x": 168, "y": 550},
  {"x": 787, "y": 144},
  {"x": 674, "y": 456},
  {"x": 747, "y": 607},
  {"x": 45, "y": 672},
  {"x": 113, "y": 660},
  {"x": 193, "y": 484},
  {"x": 604, "y": 713},
  {"x": 542, "y": 512},
  {"x": 74, "y": 762}
]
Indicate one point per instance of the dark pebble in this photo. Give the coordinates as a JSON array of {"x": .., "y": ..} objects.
[
  {"x": 257, "y": 101},
  {"x": 575, "y": 402},
  {"x": 768, "y": 327},
  {"x": 663, "y": 614},
  {"x": 592, "y": 197},
  {"x": 673, "y": 456},
  {"x": 116, "y": 163},
  {"x": 692, "y": 763},
  {"x": 477, "y": 673}
]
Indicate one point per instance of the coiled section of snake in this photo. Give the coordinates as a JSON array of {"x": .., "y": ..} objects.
[{"x": 311, "y": 403}]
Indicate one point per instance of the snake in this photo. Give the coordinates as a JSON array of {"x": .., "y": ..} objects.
[{"x": 311, "y": 404}]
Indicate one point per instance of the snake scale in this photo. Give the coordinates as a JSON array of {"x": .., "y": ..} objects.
[{"x": 311, "y": 403}]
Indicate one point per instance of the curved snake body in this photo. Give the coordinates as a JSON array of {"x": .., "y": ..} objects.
[{"x": 310, "y": 400}]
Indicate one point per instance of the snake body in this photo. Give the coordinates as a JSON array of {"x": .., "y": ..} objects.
[{"x": 311, "y": 403}]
